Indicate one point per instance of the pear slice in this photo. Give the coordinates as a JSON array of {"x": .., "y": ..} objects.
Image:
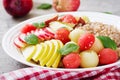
[
  {"x": 28, "y": 52},
  {"x": 45, "y": 52},
  {"x": 54, "y": 55},
  {"x": 39, "y": 51},
  {"x": 56, "y": 25},
  {"x": 56, "y": 63},
  {"x": 50, "y": 53}
]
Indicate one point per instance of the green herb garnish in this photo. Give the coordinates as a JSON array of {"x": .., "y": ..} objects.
[
  {"x": 44, "y": 6},
  {"x": 31, "y": 39},
  {"x": 68, "y": 48},
  {"x": 107, "y": 42},
  {"x": 39, "y": 25},
  {"x": 107, "y": 12}
]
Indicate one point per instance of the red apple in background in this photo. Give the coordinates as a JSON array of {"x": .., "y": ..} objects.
[
  {"x": 18, "y": 8},
  {"x": 66, "y": 5}
]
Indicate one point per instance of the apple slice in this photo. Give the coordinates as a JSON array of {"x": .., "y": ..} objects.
[
  {"x": 70, "y": 25},
  {"x": 28, "y": 52},
  {"x": 49, "y": 31},
  {"x": 43, "y": 34},
  {"x": 32, "y": 32},
  {"x": 54, "y": 18},
  {"x": 28, "y": 33},
  {"x": 18, "y": 43},
  {"x": 48, "y": 37},
  {"x": 36, "y": 32},
  {"x": 22, "y": 38},
  {"x": 40, "y": 36},
  {"x": 82, "y": 21},
  {"x": 56, "y": 25}
]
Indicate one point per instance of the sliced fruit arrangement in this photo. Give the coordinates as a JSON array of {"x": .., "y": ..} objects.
[
  {"x": 45, "y": 53},
  {"x": 59, "y": 41},
  {"x": 33, "y": 37},
  {"x": 46, "y": 30}
]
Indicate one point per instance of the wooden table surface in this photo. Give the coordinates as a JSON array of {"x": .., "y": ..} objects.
[{"x": 6, "y": 22}]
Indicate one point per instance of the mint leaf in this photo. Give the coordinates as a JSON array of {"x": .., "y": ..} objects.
[
  {"x": 39, "y": 25},
  {"x": 31, "y": 39},
  {"x": 44, "y": 6},
  {"x": 42, "y": 25},
  {"x": 107, "y": 42},
  {"x": 36, "y": 25},
  {"x": 68, "y": 48},
  {"x": 107, "y": 12}
]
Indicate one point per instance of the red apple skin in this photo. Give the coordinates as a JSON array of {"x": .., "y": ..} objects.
[
  {"x": 66, "y": 5},
  {"x": 19, "y": 43},
  {"x": 49, "y": 31},
  {"x": 18, "y": 8},
  {"x": 54, "y": 18}
]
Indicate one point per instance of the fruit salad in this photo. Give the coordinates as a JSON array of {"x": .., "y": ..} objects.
[{"x": 58, "y": 42}]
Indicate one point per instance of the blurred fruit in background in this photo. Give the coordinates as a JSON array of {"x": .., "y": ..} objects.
[
  {"x": 66, "y": 5},
  {"x": 18, "y": 8}
]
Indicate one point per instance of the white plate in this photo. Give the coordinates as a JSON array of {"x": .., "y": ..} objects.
[{"x": 10, "y": 49}]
